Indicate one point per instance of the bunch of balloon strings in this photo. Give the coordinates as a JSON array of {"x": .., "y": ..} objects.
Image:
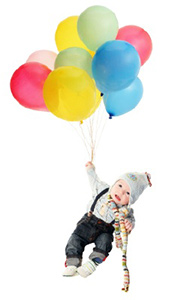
[{"x": 91, "y": 129}]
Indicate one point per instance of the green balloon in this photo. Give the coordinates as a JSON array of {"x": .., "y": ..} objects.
[
  {"x": 77, "y": 57},
  {"x": 97, "y": 25}
]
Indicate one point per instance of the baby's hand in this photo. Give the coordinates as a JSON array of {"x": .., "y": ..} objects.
[
  {"x": 128, "y": 226},
  {"x": 89, "y": 165}
]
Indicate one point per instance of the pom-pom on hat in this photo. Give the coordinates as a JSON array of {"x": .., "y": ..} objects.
[{"x": 138, "y": 182}]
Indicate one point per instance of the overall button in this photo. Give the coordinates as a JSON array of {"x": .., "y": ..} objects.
[{"x": 99, "y": 222}]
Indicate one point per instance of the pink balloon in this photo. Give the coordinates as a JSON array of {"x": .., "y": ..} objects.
[
  {"x": 138, "y": 38},
  {"x": 44, "y": 57},
  {"x": 27, "y": 85}
]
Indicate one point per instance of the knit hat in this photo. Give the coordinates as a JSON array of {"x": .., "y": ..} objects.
[{"x": 137, "y": 182}]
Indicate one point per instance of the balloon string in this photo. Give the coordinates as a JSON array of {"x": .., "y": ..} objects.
[
  {"x": 103, "y": 120},
  {"x": 97, "y": 125},
  {"x": 94, "y": 128},
  {"x": 92, "y": 155},
  {"x": 102, "y": 130},
  {"x": 81, "y": 136},
  {"x": 84, "y": 138},
  {"x": 91, "y": 132},
  {"x": 98, "y": 114},
  {"x": 91, "y": 129}
]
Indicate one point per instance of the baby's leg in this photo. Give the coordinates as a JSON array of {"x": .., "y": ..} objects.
[
  {"x": 74, "y": 250},
  {"x": 103, "y": 247},
  {"x": 100, "y": 252}
]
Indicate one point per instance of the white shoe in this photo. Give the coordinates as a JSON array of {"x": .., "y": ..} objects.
[
  {"x": 70, "y": 271},
  {"x": 86, "y": 269}
]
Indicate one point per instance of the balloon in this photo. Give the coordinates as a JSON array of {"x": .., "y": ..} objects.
[
  {"x": 76, "y": 57},
  {"x": 97, "y": 25},
  {"x": 44, "y": 57},
  {"x": 123, "y": 101},
  {"x": 27, "y": 85},
  {"x": 115, "y": 65},
  {"x": 98, "y": 102},
  {"x": 70, "y": 93},
  {"x": 137, "y": 37},
  {"x": 66, "y": 35}
]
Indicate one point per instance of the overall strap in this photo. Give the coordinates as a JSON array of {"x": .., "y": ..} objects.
[{"x": 96, "y": 199}]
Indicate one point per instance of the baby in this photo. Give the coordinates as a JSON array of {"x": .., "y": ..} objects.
[{"x": 97, "y": 225}]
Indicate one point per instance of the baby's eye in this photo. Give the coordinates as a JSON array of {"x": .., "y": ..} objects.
[
  {"x": 128, "y": 193},
  {"x": 120, "y": 185}
]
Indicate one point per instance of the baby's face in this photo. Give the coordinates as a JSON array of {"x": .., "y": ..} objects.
[{"x": 120, "y": 192}]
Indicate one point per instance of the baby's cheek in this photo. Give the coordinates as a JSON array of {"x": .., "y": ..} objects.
[{"x": 126, "y": 200}]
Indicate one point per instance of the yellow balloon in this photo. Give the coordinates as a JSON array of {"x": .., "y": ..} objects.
[
  {"x": 69, "y": 93},
  {"x": 66, "y": 35},
  {"x": 98, "y": 101}
]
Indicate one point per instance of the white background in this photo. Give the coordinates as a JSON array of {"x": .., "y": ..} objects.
[{"x": 44, "y": 186}]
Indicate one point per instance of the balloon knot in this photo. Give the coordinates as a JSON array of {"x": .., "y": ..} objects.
[
  {"x": 81, "y": 122},
  {"x": 110, "y": 117}
]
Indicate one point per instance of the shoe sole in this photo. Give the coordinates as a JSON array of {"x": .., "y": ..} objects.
[{"x": 76, "y": 274}]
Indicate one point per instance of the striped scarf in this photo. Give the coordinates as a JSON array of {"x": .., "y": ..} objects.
[{"x": 121, "y": 238}]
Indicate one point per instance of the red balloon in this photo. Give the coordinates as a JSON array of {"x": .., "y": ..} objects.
[
  {"x": 27, "y": 85},
  {"x": 138, "y": 38}
]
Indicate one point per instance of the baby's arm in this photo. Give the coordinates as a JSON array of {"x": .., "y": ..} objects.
[
  {"x": 96, "y": 184},
  {"x": 130, "y": 221}
]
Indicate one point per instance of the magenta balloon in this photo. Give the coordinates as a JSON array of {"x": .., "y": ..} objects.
[
  {"x": 138, "y": 38},
  {"x": 27, "y": 85}
]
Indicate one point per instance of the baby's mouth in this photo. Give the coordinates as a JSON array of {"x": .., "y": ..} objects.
[{"x": 117, "y": 197}]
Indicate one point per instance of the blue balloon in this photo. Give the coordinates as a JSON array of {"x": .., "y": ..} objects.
[
  {"x": 120, "y": 102},
  {"x": 115, "y": 65}
]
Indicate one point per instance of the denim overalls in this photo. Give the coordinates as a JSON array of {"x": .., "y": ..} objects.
[{"x": 90, "y": 229}]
